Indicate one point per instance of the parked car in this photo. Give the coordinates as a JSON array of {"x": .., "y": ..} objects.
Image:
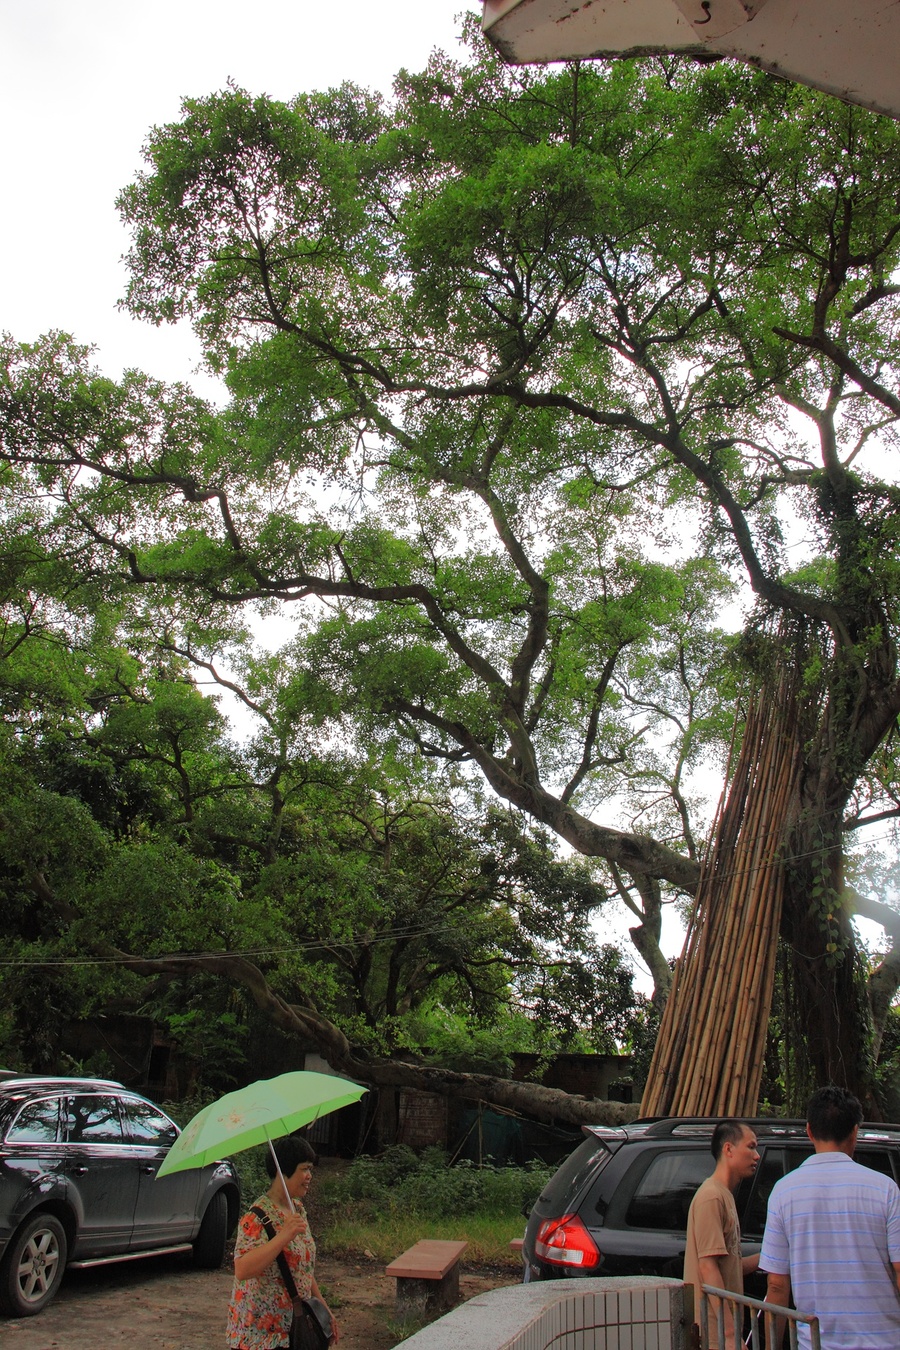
[
  {"x": 78, "y": 1187},
  {"x": 619, "y": 1204}
]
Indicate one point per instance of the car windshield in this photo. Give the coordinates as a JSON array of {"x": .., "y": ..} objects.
[{"x": 147, "y": 1124}]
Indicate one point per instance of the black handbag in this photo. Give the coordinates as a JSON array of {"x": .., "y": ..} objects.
[
  {"x": 311, "y": 1324},
  {"x": 311, "y": 1327}
]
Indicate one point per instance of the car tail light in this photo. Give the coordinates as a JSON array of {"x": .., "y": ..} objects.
[{"x": 566, "y": 1242}]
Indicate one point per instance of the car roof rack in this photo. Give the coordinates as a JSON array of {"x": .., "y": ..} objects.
[
  {"x": 664, "y": 1127},
  {"x": 56, "y": 1080},
  {"x": 672, "y": 1124}
]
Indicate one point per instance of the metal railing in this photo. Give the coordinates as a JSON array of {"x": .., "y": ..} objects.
[{"x": 769, "y": 1313}]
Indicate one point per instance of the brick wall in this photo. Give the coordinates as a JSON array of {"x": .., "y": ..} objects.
[{"x": 421, "y": 1119}]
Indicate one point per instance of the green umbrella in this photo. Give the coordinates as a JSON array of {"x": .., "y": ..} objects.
[{"x": 257, "y": 1114}]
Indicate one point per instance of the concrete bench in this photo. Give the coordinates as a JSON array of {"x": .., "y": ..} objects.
[{"x": 427, "y": 1276}]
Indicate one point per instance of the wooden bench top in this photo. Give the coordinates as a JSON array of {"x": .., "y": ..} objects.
[{"x": 428, "y": 1259}]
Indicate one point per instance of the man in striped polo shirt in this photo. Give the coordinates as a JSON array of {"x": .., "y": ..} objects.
[{"x": 833, "y": 1235}]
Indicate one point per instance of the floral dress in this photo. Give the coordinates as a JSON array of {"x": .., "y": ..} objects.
[{"x": 259, "y": 1316}]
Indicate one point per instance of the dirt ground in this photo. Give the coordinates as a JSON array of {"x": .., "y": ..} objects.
[{"x": 164, "y": 1304}]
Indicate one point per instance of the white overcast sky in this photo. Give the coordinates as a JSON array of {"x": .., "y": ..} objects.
[{"x": 81, "y": 83}]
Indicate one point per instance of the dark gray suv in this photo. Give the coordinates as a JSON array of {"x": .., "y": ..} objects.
[
  {"x": 78, "y": 1187},
  {"x": 618, "y": 1205}
]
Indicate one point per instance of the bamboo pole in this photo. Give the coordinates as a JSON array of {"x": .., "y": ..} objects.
[
  {"x": 672, "y": 1036},
  {"x": 732, "y": 908},
  {"x": 681, "y": 1010},
  {"x": 755, "y": 957},
  {"x": 709, "y": 1055}
]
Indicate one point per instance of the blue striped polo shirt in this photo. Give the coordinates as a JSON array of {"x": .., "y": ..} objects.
[{"x": 833, "y": 1226}]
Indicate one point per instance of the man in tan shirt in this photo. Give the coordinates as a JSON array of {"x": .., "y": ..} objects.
[{"x": 713, "y": 1252}]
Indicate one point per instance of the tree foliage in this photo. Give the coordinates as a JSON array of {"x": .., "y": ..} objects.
[
  {"x": 138, "y": 842},
  {"x": 528, "y": 372}
]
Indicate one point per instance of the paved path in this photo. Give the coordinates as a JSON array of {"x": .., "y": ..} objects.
[{"x": 161, "y": 1304}]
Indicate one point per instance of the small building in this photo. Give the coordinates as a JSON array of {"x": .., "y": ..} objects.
[{"x": 485, "y": 1133}]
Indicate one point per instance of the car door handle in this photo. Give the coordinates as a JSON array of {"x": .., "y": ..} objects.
[
  {"x": 148, "y": 1168},
  {"x": 79, "y": 1171}
]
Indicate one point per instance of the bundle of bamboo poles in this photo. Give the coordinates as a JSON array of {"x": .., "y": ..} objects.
[{"x": 708, "y": 1058}]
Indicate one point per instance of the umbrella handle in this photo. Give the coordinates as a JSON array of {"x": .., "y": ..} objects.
[{"x": 290, "y": 1203}]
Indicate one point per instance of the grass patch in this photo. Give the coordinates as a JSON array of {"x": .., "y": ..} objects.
[
  {"x": 403, "y": 1181},
  {"x": 331, "y": 1297},
  {"x": 377, "y": 1207},
  {"x": 401, "y": 1328},
  {"x": 374, "y": 1208},
  {"x": 488, "y": 1237}
]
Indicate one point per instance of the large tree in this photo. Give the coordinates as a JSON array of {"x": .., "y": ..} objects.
[
  {"x": 144, "y": 858},
  {"x": 526, "y": 370}
]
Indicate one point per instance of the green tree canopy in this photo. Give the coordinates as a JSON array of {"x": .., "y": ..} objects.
[
  {"x": 142, "y": 855},
  {"x": 527, "y": 371}
]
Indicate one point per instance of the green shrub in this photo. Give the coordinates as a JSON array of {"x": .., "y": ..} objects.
[{"x": 428, "y": 1186}]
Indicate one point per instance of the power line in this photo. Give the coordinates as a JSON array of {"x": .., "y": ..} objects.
[
  {"x": 313, "y": 945},
  {"x": 390, "y": 935}
]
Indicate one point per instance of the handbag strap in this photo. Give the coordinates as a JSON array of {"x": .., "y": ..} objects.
[{"x": 289, "y": 1281}]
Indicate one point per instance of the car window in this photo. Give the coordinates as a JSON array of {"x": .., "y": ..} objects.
[
  {"x": 771, "y": 1169},
  {"x": 794, "y": 1156},
  {"x": 776, "y": 1162},
  {"x": 664, "y": 1193},
  {"x": 93, "y": 1119},
  {"x": 877, "y": 1158},
  {"x": 147, "y": 1124},
  {"x": 36, "y": 1123},
  {"x": 581, "y": 1165}
]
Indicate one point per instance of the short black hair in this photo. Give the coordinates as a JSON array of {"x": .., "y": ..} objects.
[
  {"x": 291, "y": 1151},
  {"x": 832, "y": 1114},
  {"x": 726, "y": 1132}
]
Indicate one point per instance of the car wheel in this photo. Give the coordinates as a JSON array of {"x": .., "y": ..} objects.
[
  {"x": 209, "y": 1244},
  {"x": 33, "y": 1266}
]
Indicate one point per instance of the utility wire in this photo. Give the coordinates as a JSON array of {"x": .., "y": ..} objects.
[{"x": 390, "y": 935}]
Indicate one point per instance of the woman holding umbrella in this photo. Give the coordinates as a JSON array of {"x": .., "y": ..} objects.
[{"x": 260, "y": 1313}]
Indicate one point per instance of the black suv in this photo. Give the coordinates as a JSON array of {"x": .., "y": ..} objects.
[
  {"x": 619, "y": 1204},
  {"x": 78, "y": 1187}
]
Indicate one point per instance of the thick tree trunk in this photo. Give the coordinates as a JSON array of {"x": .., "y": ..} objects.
[
  {"x": 777, "y": 866},
  {"x": 646, "y": 943},
  {"x": 829, "y": 998},
  {"x": 827, "y": 985},
  {"x": 884, "y": 980},
  {"x": 547, "y": 1104},
  {"x": 832, "y": 1024}
]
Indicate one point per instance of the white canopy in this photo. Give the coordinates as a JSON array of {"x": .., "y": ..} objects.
[{"x": 846, "y": 47}]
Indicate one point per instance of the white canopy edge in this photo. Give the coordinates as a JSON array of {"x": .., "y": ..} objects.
[{"x": 850, "y": 48}]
